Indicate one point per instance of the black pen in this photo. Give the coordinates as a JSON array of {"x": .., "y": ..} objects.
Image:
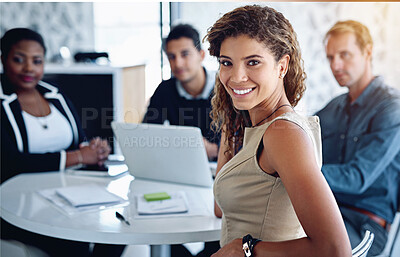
[{"x": 121, "y": 218}]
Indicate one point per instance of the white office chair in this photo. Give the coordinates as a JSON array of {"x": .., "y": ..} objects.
[
  {"x": 392, "y": 247},
  {"x": 12, "y": 248},
  {"x": 362, "y": 249},
  {"x": 396, "y": 246}
]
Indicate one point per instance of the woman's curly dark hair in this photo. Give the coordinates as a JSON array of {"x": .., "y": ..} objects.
[{"x": 271, "y": 28}]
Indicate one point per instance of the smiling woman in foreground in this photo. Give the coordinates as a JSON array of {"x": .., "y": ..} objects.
[{"x": 269, "y": 189}]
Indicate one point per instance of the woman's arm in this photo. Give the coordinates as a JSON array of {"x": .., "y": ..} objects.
[
  {"x": 289, "y": 151},
  {"x": 13, "y": 162},
  {"x": 94, "y": 152}
]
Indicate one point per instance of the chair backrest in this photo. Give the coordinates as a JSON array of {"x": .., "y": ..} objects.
[
  {"x": 392, "y": 247},
  {"x": 395, "y": 249},
  {"x": 362, "y": 249}
]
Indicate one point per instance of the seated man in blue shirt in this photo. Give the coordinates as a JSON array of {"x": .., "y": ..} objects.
[
  {"x": 185, "y": 99},
  {"x": 361, "y": 137}
]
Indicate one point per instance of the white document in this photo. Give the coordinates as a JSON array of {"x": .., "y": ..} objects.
[
  {"x": 177, "y": 204},
  {"x": 85, "y": 195},
  {"x": 90, "y": 190},
  {"x": 196, "y": 206}
]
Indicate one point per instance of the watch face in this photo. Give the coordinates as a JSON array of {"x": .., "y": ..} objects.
[{"x": 246, "y": 249}]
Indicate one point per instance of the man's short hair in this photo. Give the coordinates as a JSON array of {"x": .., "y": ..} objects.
[
  {"x": 184, "y": 30},
  {"x": 363, "y": 37}
]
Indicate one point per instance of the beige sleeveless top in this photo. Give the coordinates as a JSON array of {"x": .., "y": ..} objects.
[{"x": 254, "y": 202}]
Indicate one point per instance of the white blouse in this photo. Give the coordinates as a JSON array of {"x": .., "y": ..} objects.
[{"x": 51, "y": 133}]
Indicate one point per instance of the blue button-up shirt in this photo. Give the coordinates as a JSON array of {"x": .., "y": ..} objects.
[{"x": 361, "y": 149}]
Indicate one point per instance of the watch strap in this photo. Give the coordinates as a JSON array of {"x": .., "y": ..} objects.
[{"x": 248, "y": 245}]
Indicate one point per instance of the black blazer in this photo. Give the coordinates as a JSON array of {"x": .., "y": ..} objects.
[{"x": 15, "y": 157}]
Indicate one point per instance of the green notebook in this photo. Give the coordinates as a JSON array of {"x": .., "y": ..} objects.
[{"x": 156, "y": 196}]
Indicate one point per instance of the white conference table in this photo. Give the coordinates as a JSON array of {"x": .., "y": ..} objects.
[{"x": 23, "y": 207}]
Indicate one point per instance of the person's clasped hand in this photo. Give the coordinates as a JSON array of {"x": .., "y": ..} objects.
[
  {"x": 211, "y": 149},
  {"x": 232, "y": 249},
  {"x": 96, "y": 152}
]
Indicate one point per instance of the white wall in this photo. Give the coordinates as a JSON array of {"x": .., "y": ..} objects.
[
  {"x": 72, "y": 24},
  {"x": 130, "y": 33},
  {"x": 311, "y": 21},
  {"x": 60, "y": 24}
]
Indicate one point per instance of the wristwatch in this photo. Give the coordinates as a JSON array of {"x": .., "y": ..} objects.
[{"x": 248, "y": 244}]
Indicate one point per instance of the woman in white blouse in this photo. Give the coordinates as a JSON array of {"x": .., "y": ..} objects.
[
  {"x": 40, "y": 128},
  {"x": 40, "y": 131}
]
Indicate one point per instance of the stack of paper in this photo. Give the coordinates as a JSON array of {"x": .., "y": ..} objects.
[
  {"x": 79, "y": 196},
  {"x": 75, "y": 199},
  {"x": 176, "y": 204}
]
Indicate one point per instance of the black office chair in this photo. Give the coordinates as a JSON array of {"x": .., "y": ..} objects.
[
  {"x": 362, "y": 249},
  {"x": 90, "y": 57}
]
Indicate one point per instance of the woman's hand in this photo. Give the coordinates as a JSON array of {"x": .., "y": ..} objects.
[
  {"x": 102, "y": 148},
  {"x": 232, "y": 249},
  {"x": 96, "y": 152}
]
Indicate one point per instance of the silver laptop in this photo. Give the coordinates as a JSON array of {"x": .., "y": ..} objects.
[{"x": 167, "y": 153}]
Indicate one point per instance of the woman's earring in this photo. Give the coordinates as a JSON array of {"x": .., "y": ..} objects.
[{"x": 281, "y": 76}]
